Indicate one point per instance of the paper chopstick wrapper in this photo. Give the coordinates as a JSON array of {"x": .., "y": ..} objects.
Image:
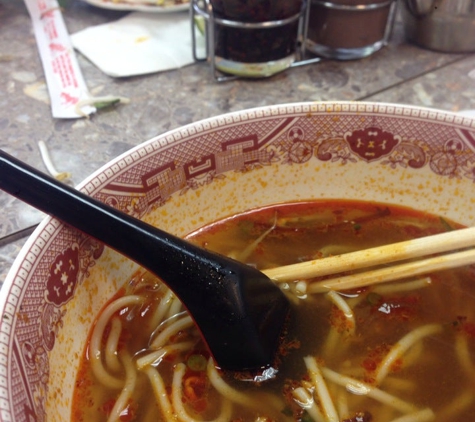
[{"x": 66, "y": 85}]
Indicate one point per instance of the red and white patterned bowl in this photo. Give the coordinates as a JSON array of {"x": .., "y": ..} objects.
[{"x": 193, "y": 175}]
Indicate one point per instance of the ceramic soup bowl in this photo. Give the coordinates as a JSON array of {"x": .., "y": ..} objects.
[{"x": 191, "y": 176}]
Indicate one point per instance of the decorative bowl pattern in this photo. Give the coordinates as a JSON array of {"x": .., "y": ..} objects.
[{"x": 210, "y": 169}]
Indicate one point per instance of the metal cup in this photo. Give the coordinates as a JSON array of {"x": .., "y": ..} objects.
[{"x": 441, "y": 25}]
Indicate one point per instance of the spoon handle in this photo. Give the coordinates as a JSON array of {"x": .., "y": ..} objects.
[
  {"x": 227, "y": 299},
  {"x": 143, "y": 243},
  {"x": 168, "y": 256}
]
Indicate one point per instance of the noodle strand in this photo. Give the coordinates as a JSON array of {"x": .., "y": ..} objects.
[
  {"x": 110, "y": 351},
  {"x": 456, "y": 406},
  {"x": 162, "y": 309},
  {"x": 464, "y": 355},
  {"x": 157, "y": 355},
  {"x": 161, "y": 395},
  {"x": 321, "y": 389},
  {"x": 424, "y": 415},
  {"x": 305, "y": 400},
  {"x": 175, "y": 327},
  {"x": 402, "y": 346},
  {"x": 340, "y": 303},
  {"x": 360, "y": 388},
  {"x": 177, "y": 401},
  {"x": 96, "y": 338},
  {"x": 333, "y": 343},
  {"x": 175, "y": 307},
  {"x": 390, "y": 288},
  {"x": 342, "y": 405},
  {"x": 130, "y": 380},
  {"x": 233, "y": 395}
]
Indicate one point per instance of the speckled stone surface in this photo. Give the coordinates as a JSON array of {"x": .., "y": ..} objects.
[{"x": 400, "y": 73}]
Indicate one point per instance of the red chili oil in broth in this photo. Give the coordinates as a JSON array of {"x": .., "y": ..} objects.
[{"x": 432, "y": 377}]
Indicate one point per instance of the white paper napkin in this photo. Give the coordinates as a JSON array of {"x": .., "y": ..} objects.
[{"x": 138, "y": 44}]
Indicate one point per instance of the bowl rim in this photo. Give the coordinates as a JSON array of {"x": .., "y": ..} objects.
[{"x": 173, "y": 135}]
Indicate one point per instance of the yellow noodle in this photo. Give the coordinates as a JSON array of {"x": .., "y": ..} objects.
[
  {"x": 335, "y": 249},
  {"x": 177, "y": 393},
  {"x": 233, "y": 395},
  {"x": 227, "y": 391},
  {"x": 342, "y": 404},
  {"x": 424, "y": 415},
  {"x": 456, "y": 406},
  {"x": 353, "y": 371},
  {"x": 175, "y": 307},
  {"x": 160, "y": 393},
  {"x": 340, "y": 303},
  {"x": 299, "y": 289},
  {"x": 288, "y": 288},
  {"x": 332, "y": 343},
  {"x": 413, "y": 355},
  {"x": 152, "y": 411},
  {"x": 306, "y": 401},
  {"x": 402, "y": 346},
  {"x": 321, "y": 390},
  {"x": 390, "y": 288},
  {"x": 464, "y": 355},
  {"x": 127, "y": 390},
  {"x": 243, "y": 255},
  {"x": 386, "y": 413},
  {"x": 162, "y": 309},
  {"x": 175, "y": 327},
  {"x": 155, "y": 356},
  {"x": 110, "y": 351},
  {"x": 274, "y": 401},
  {"x": 337, "y": 342},
  {"x": 363, "y": 389},
  {"x": 355, "y": 300},
  {"x": 399, "y": 384},
  {"x": 96, "y": 338}
]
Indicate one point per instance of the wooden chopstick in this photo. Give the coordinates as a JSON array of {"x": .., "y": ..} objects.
[
  {"x": 416, "y": 248},
  {"x": 396, "y": 272}
]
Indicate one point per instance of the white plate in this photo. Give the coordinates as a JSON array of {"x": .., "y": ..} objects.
[
  {"x": 126, "y": 6},
  {"x": 468, "y": 113}
]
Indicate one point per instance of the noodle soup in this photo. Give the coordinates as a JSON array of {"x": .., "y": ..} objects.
[{"x": 395, "y": 352}]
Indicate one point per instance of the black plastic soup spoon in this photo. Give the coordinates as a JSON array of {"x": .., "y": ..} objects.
[{"x": 239, "y": 310}]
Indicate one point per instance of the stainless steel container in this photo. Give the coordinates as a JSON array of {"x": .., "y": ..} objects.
[{"x": 441, "y": 25}]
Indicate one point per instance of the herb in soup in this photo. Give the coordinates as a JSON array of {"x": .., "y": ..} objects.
[{"x": 395, "y": 352}]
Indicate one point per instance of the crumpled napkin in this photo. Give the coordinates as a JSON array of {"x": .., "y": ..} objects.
[{"x": 138, "y": 44}]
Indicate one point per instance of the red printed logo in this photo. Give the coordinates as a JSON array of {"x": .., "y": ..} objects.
[
  {"x": 57, "y": 47},
  {"x": 68, "y": 99},
  {"x": 371, "y": 143},
  {"x": 63, "y": 276}
]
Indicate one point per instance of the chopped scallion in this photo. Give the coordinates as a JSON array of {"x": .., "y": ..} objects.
[{"x": 197, "y": 362}]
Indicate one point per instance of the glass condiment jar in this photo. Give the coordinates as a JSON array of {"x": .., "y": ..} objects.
[
  {"x": 349, "y": 29},
  {"x": 255, "y": 38}
]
